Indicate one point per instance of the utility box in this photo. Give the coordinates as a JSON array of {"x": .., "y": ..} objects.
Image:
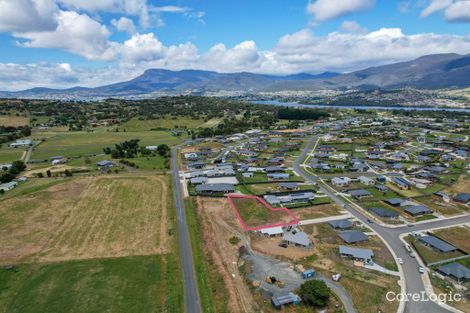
[{"x": 310, "y": 273}]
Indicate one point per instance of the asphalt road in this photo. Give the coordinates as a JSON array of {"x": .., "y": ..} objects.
[
  {"x": 191, "y": 295},
  {"x": 413, "y": 281}
]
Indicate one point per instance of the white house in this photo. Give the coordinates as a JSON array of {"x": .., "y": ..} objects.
[
  {"x": 366, "y": 180},
  {"x": 341, "y": 181},
  {"x": 8, "y": 186}
]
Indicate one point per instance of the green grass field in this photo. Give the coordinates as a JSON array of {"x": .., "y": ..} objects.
[
  {"x": 132, "y": 284},
  {"x": 8, "y": 155},
  {"x": 73, "y": 144},
  {"x": 169, "y": 122}
]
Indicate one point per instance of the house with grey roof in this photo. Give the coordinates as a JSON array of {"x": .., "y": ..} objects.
[
  {"x": 289, "y": 185},
  {"x": 437, "y": 244},
  {"x": 209, "y": 189},
  {"x": 456, "y": 271},
  {"x": 394, "y": 201},
  {"x": 341, "y": 224},
  {"x": 341, "y": 181},
  {"x": 417, "y": 210},
  {"x": 299, "y": 239},
  {"x": 401, "y": 182},
  {"x": 384, "y": 212},
  {"x": 198, "y": 180},
  {"x": 358, "y": 254},
  {"x": 104, "y": 164},
  {"x": 359, "y": 193},
  {"x": 462, "y": 198},
  {"x": 353, "y": 236},
  {"x": 278, "y": 176}
]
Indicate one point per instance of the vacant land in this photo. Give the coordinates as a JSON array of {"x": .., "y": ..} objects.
[
  {"x": 254, "y": 213},
  {"x": 131, "y": 284},
  {"x": 73, "y": 144},
  {"x": 168, "y": 122},
  {"x": 86, "y": 218},
  {"x": 13, "y": 120},
  {"x": 457, "y": 236}
]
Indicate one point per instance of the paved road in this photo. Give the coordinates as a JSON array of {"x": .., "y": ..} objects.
[
  {"x": 191, "y": 295},
  {"x": 413, "y": 281}
]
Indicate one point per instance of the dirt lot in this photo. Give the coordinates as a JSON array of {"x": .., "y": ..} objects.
[
  {"x": 86, "y": 218},
  {"x": 270, "y": 246},
  {"x": 14, "y": 121},
  {"x": 462, "y": 185},
  {"x": 220, "y": 222},
  {"x": 457, "y": 236}
]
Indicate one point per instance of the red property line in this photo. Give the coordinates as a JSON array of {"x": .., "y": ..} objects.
[{"x": 294, "y": 221}]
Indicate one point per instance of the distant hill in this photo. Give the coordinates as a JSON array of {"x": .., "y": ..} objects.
[{"x": 427, "y": 72}]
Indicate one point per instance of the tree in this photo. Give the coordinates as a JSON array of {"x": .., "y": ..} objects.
[
  {"x": 315, "y": 293},
  {"x": 48, "y": 173},
  {"x": 163, "y": 150},
  {"x": 26, "y": 131},
  {"x": 17, "y": 167}
]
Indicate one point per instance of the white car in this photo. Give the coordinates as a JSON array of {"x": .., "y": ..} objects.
[
  {"x": 399, "y": 260},
  {"x": 421, "y": 270}
]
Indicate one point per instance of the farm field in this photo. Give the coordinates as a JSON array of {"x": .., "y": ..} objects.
[
  {"x": 131, "y": 284},
  {"x": 169, "y": 122},
  {"x": 13, "y": 120},
  {"x": 8, "y": 155},
  {"x": 73, "y": 144},
  {"x": 86, "y": 218}
]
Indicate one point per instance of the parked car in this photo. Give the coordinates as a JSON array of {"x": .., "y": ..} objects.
[
  {"x": 400, "y": 260},
  {"x": 421, "y": 270}
]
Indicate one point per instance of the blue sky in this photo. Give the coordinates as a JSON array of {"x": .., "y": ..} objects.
[{"x": 58, "y": 43}]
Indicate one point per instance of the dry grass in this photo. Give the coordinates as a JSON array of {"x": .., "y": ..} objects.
[
  {"x": 86, "y": 218},
  {"x": 456, "y": 236},
  {"x": 14, "y": 121}
]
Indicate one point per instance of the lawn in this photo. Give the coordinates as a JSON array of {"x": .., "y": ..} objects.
[
  {"x": 131, "y": 284},
  {"x": 87, "y": 217},
  {"x": 73, "y": 144}
]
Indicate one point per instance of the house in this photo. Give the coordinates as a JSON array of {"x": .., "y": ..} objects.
[
  {"x": 21, "y": 143},
  {"x": 191, "y": 156},
  {"x": 247, "y": 153},
  {"x": 299, "y": 239},
  {"x": 401, "y": 182},
  {"x": 58, "y": 161},
  {"x": 209, "y": 189},
  {"x": 272, "y": 231},
  {"x": 279, "y": 302},
  {"x": 456, "y": 271},
  {"x": 366, "y": 180},
  {"x": 341, "y": 181},
  {"x": 384, "y": 212},
  {"x": 8, "y": 186},
  {"x": 198, "y": 180},
  {"x": 358, "y": 254},
  {"x": 463, "y": 198},
  {"x": 353, "y": 236},
  {"x": 341, "y": 224},
  {"x": 197, "y": 165},
  {"x": 394, "y": 201},
  {"x": 359, "y": 193},
  {"x": 104, "y": 164},
  {"x": 381, "y": 188},
  {"x": 289, "y": 186},
  {"x": 417, "y": 210},
  {"x": 437, "y": 244},
  {"x": 278, "y": 176},
  {"x": 273, "y": 169}
]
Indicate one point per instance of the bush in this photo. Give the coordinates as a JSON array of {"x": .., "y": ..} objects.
[
  {"x": 234, "y": 240},
  {"x": 315, "y": 293}
]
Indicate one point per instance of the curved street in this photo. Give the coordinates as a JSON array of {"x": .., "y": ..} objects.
[{"x": 391, "y": 235}]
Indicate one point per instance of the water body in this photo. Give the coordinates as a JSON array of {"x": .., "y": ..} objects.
[{"x": 359, "y": 107}]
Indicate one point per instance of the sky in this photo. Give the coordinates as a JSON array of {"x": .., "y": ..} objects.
[{"x": 65, "y": 43}]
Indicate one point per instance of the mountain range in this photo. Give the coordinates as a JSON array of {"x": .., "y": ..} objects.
[{"x": 427, "y": 72}]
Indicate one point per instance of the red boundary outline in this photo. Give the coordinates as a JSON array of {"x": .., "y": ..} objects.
[{"x": 242, "y": 222}]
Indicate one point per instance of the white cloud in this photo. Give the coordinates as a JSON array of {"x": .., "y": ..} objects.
[
  {"x": 75, "y": 33},
  {"x": 323, "y": 10},
  {"x": 458, "y": 12},
  {"x": 352, "y": 27},
  {"x": 27, "y": 15},
  {"x": 124, "y": 24},
  {"x": 435, "y": 6}
]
